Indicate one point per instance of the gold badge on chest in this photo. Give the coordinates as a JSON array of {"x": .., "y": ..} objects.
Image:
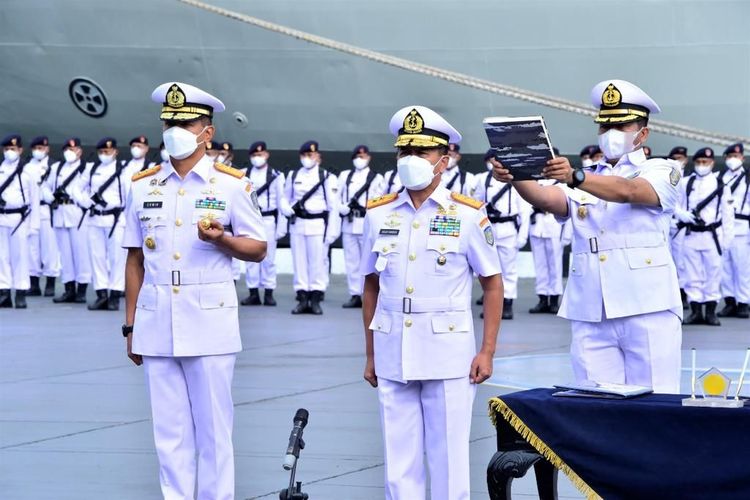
[
  {"x": 150, "y": 242},
  {"x": 582, "y": 212}
]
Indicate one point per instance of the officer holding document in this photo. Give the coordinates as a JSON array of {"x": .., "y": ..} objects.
[{"x": 622, "y": 295}]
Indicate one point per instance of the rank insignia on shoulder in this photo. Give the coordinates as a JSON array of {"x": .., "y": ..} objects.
[
  {"x": 488, "y": 236},
  {"x": 381, "y": 200},
  {"x": 226, "y": 169},
  {"x": 145, "y": 173},
  {"x": 674, "y": 176},
  {"x": 466, "y": 200}
]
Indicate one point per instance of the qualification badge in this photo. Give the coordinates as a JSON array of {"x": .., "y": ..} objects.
[
  {"x": 582, "y": 212},
  {"x": 150, "y": 242}
]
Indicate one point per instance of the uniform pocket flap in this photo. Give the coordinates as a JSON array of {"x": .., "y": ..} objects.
[
  {"x": 443, "y": 244},
  {"x": 451, "y": 322},
  {"x": 150, "y": 219},
  {"x": 639, "y": 258},
  {"x": 385, "y": 245},
  {"x": 381, "y": 322},
  {"x": 217, "y": 295}
]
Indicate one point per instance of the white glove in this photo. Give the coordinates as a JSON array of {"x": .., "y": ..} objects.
[
  {"x": 684, "y": 216},
  {"x": 521, "y": 243},
  {"x": 329, "y": 240},
  {"x": 287, "y": 211},
  {"x": 344, "y": 210},
  {"x": 280, "y": 231},
  {"x": 565, "y": 241}
]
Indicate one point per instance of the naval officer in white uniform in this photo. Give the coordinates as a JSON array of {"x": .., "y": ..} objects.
[
  {"x": 422, "y": 247},
  {"x": 184, "y": 222},
  {"x": 622, "y": 295}
]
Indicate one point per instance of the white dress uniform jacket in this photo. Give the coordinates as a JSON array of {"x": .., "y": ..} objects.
[
  {"x": 459, "y": 181},
  {"x": 392, "y": 182},
  {"x": 43, "y": 253},
  {"x": 735, "y": 280}
]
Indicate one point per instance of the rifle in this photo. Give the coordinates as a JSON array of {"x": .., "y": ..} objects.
[{"x": 24, "y": 215}]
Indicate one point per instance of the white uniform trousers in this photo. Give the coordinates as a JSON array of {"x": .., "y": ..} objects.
[
  {"x": 432, "y": 416},
  {"x": 507, "y": 250},
  {"x": 107, "y": 257},
  {"x": 548, "y": 264},
  {"x": 74, "y": 254},
  {"x": 43, "y": 254},
  {"x": 192, "y": 412},
  {"x": 263, "y": 274},
  {"x": 352, "y": 244},
  {"x": 237, "y": 268},
  {"x": 675, "y": 246},
  {"x": 14, "y": 258},
  {"x": 735, "y": 278},
  {"x": 702, "y": 273},
  {"x": 310, "y": 262},
  {"x": 640, "y": 350}
]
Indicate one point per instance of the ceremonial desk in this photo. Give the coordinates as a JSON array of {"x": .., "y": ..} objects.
[{"x": 647, "y": 447}]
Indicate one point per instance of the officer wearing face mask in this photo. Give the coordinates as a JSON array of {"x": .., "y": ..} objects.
[
  {"x": 422, "y": 248},
  {"x": 311, "y": 193},
  {"x": 680, "y": 155},
  {"x": 163, "y": 155},
  {"x": 138, "y": 156},
  {"x": 454, "y": 179},
  {"x": 269, "y": 187},
  {"x": 622, "y": 295},
  {"x": 508, "y": 214},
  {"x": 357, "y": 187},
  {"x": 735, "y": 276},
  {"x": 226, "y": 154},
  {"x": 213, "y": 150},
  {"x": 103, "y": 191},
  {"x": 391, "y": 182},
  {"x": 19, "y": 216},
  {"x": 706, "y": 217},
  {"x": 585, "y": 155},
  {"x": 44, "y": 258},
  {"x": 69, "y": 221},
  {"x": 185, "y": 221}
]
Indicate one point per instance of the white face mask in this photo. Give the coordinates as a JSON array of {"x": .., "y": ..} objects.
[
  {"x": 137, "y": 152},
  {"x": 106, "y": 159},
  {"x": 10, "y": 155},
  {"x": 586, "y": 163},
  {"x": 307, "y": 162},
  {"x": 703, "y": 170},
  {"x": 257, "y": 161},
  {"x": 415, "y": 173},
  {"x": 164, "y": 155},
  {"x": 38, "y": 154},
  {"x": 488, "y": 165},
  {"x": 181, "y": 143},
  {"x": 733, "y": 163},
  {"x": 452, "y": 162},
  {"x": 70, "y": 155},
  {"x": 221, "y": 158},
  {"x": 615, "y": 143},
  {"x": 359, "y": 163}
]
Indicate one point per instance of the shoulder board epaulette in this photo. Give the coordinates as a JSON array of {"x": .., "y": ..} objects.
[
  {"x": 145, "y": 173},
  {"x": 381, "y": 200},
  {"x": 226, "y": 169},
  {"x": 466, "y": 200}
]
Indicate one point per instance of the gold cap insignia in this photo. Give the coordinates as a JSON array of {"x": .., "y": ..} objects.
[
  {"x": 109, "y": 144},
  {"x": 143, "y": 139},
  {"x": 312, "y": 147},
  {"x": 14, "y": 141},
  {"x": 736, "y": 149},
  {"x": 176, "y": 97},
  {"x": 611, "y": 97},
  {"x": 72, "y": 143},
  {"x": 709, "y": 153},
  {"x": 259, "y": 149},
  {"x": 226, "y": 146},
  {"x": 413, "y": 123},
  {"x": 209, "y": 145}
]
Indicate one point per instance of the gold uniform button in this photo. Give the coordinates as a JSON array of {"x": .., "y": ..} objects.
[
  {"x": 385, "y": 249},
  {"x": 409, "y": 289},
  {"x": 602, "y": 258},
  {"x": 177, "y": 256},
  {"x": 442, "y": 248},
  {"x": 648, "y": 261},
  {"x": 175, "y": 289},
  {"x": 181, "y": 192},
  {"x": 178, "y": 222},
  {"x": 412, "y": 256},
  {"x": 451, "y": 327},
  {"x": 415, "y": 224},
  {"x": 407, "y": 323}
]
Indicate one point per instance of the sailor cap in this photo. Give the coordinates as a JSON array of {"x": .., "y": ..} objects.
[
  {"x": 421, "y": 127},
  {"x": 621, "y": 102},
  {"x": 183, "y": 102}
]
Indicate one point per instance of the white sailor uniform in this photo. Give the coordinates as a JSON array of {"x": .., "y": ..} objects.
[
  {"x": 44, "y": 257},
  {"x": 735, "y": 278}
]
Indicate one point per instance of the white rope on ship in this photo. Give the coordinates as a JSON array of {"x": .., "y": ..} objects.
[{"x": 664, "y": 127}]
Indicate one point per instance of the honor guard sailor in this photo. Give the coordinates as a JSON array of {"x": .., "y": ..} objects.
[
  {"x": 357, "y": 187},
  {"x": 68, "y": 219},
  {"x": 622, "y": 295},
  {"x": 314, "y": 223},
  {"x": 392, "y": 184},
  {"x": 185, "y": 220},
  {"x": 706, "y": 217},
  {"x": 680, "y": 155},
  {"x": 43, "y": 254},
  {"x": 138, "y": 157},
  {"x": 735, "y": 276},
  {"x": 269, "y": 188},
  {"x": 455, "y": 178},
  {"x": 19, "y": 217},
  {"x": 422, "y": 247}
]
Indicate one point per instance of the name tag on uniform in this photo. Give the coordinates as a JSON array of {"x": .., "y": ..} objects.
[
  {"x": 389, "y": 232},
  {"x": 211, "y": 204},
  {"x": 152, "y": 204},
  {"x": 445, "y": 225}
]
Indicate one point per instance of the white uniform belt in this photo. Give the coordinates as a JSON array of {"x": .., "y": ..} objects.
[
  {"x": 187, "y": 277},
  {"x": 605, "y": 242},
  {"x": 419, "y": 305}
]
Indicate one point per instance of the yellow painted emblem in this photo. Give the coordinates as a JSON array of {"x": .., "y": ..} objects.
[
  {"x": 175, "y": 96},
  {"x": 582, "y": 212},
  {"x": 611, "y": 96},
  {"x": 150, "y": 242},
  {"x": 413, "y": 123}
]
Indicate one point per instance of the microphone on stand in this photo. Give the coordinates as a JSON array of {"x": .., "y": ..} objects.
[{"x": 295, "y": 439}]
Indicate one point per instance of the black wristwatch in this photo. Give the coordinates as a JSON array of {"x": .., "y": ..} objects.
[
  {"x": 127, "y": 330},
  {"x": 578, "y": 177}
]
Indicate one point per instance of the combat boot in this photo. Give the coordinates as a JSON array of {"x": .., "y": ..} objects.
[
  {"x": 34, "y": 290},
  {"x": 729, "y": 309},
  {"x": 69, "y": 295},
  {"x": 100, "y": 304},
  {"x": 5, "y": 300},
  {"x": 507, "y": 309},
  {"x": 253, "y": 299},
  {"x": 696, "y": 315},
  {"x": 114, "y": 300},
  {"x": 268, "y": 299},
  {"x": 743, "y": 311},
  {"x": 542, "y": 306},
  {"x": 354, "y": 302},
  {"x": 554, "y": 306},
  {"x": 49, "y": 286},
  {"x": 711, "y": 318},
  {"x": 303, "y": 305},
  {"x": 480, "y": 300},
  {"x": 315, "y": 297},
  {"x": 81, "y": 293},
  {"x": 20, "y": 299}
]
